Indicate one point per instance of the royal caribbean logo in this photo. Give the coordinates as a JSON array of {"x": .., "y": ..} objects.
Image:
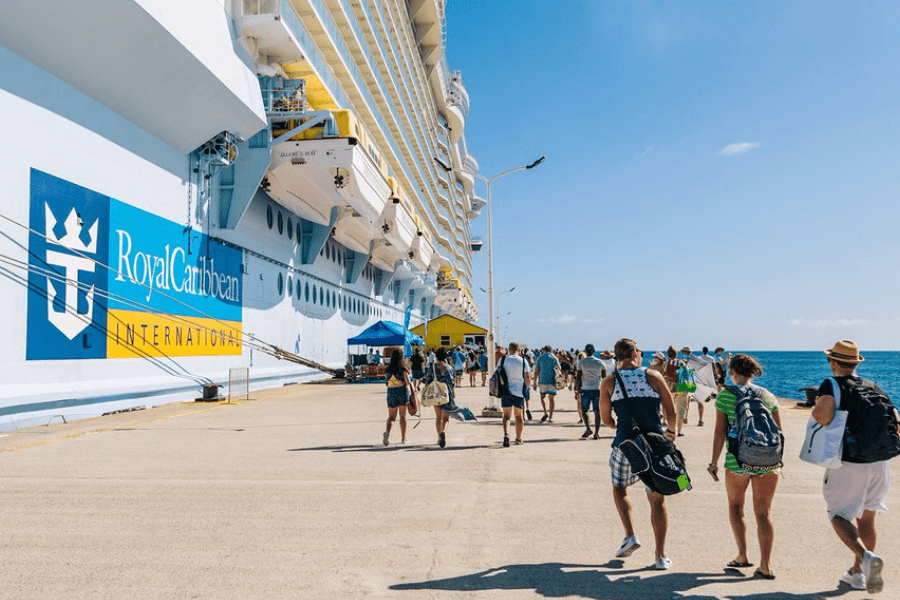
[{"x": 166, "y": 291}]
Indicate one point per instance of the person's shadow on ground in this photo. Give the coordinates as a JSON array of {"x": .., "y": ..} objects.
[{"x": 604, "y": 582}]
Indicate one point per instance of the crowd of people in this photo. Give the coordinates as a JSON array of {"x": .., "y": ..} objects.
[{"x": 614, "y": 390}]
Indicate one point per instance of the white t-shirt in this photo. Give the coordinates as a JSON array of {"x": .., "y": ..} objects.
[{"x": 513, "y": 367}]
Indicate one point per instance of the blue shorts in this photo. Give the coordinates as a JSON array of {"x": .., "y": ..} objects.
[
  {"x": 590, "y": 397},
  {"x": 397, "y": 396},
  {"x": 547, "y": 388},
  {"x": 418, "y": 374},
  {"x": 510, "y": 401}
]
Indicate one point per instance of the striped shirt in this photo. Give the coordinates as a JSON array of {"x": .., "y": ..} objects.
[{"x": 725, "y": 403}]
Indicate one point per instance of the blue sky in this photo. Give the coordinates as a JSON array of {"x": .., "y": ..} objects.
[{"x": 718, "y": 173}]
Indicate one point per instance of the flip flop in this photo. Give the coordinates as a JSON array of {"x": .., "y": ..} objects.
[
  {"x": 758, "y": 573},
  {"x": 739, "y": 565}
]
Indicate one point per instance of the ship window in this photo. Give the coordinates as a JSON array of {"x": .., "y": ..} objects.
[
  {"x": 280, "y": 223},
  {"x": 280, "y": 284},
  {"x": 306, "y": 291},
  {"x": 340, "y": 254},
  {"x": 290, "y": 228},
  {"x": 333, "y": 300},
  {"x": 298, "y": 289},
  {"x": 322, "y": 252},
  {"x": 269, "y": 216},
  {"x": 315, "y": 296},
  {"x": 290, "y": 287},
  {"x": 298, "y": 232}
]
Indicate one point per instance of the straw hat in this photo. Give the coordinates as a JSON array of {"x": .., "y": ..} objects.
[
  {"x": 687, "y": 350},
  {"x": 845, "y": 351},
  {"x": 659, "y": 356},
  {"x": 606, "y": 354}
]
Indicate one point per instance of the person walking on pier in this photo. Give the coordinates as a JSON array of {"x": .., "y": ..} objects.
[
  {"x": 859, "y": 488},
  {"x": 545, "y": 367},
  {"x": 638, "y": 405},
  {"x": 588, "y": 373},
  {"x": 399, "y": 393},
  {"x": 743, "y": 369},
  {"x": 442, "y": 371},
  {"x": 518, "y": 378}
]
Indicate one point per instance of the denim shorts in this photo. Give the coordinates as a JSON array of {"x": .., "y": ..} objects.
[
  {"x": 589, "y": 398},
  {"x": 418, "y": 374},
  {"x": 547, "y": 388},
  {"x": 397, "y": 396},
  {"x": 510, "y": 401}
]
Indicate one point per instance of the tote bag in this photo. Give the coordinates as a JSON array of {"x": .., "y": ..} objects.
[
  {"x": 436, "y": 392},
  {"x": 824, "y": 444}
]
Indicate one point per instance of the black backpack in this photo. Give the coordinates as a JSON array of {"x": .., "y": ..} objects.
[
  {"x": 755, "y": 439},
  {"x": 498, "y": 385},
  {"x": 871, "y": 433},
  {"x": 654, "y": 458}
]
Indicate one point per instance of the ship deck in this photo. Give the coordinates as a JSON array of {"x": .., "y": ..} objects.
[{"x": 292, "y": 495}]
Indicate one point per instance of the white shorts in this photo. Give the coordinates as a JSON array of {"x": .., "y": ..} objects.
[{"x": 855, "y": 488}]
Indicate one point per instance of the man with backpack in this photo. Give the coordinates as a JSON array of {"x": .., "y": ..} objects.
[
  {"x": 636, "y": 394},
  {"x": 859, "y": 488},
  {"x": 515, "y": 377}
]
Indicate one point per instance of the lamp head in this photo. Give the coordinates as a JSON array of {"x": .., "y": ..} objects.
[{"x": 536, "y": 163}]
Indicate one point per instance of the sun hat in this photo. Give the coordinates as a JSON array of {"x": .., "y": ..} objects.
[
  {"x": 845, "y": 351},
  {"x": 606, "y": 354},
  {"x": 659, "y": 355},
  {"x": 686, "y": 350}
]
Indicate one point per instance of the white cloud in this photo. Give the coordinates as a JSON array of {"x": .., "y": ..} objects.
[
  {"x": 733, "y": 149},
  {"x": 841, "y": 322},
  {"x": 647, "y": 150},
  {"x": 559, "y": 319}
]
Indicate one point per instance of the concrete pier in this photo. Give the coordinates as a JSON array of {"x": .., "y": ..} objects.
[{"x": 293, "y": 495}]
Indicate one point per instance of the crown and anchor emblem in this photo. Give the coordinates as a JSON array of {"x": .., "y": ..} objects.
[{"x": 70, "y": 321}]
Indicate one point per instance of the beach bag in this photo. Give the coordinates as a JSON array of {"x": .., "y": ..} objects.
[
  {"x": 871, "y": 433},
  {"x": 560, "y": 378},
  {"x": 498, "y": 385},
  {"x": 654, "y": 458},
  {"x": 824, "y": 444},
  {"x": 686, "y": 382},
  {"x": 413, "y": 407},
  {"x": 436, "y": 392},
  {"x": 754, "y": 439}
]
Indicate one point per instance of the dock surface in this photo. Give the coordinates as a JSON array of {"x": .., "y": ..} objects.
[{"x": 293, "y": 495}]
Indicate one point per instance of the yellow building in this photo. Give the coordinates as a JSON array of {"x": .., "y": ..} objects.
[{"x": 450, "y": 331}]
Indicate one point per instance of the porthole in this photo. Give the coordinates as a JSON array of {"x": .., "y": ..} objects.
[
  {"x": 269, "y": 216},
  {"x": 298, "y": 289},
  {"x": 280, "y": 223},
  {"x": 290, "y": 228},
  {"x": 280, "y": 284},
  {"x": 306, "y": 290},
  {"x": 315, "y": 296}
]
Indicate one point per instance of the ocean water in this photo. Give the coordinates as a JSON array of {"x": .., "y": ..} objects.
[{"x": 785, "y": 372}]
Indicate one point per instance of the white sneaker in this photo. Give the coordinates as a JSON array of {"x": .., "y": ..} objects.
[
  {"x": 663, "y": 563},
  {"x": 629, "y": 545},
  {"x": 871, "y": 566},
  {"x": 386, "y": 438},
  {"x": 855, "y": 580}
]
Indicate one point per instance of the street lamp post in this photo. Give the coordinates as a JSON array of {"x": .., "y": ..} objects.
[
  {"x": 498, "y": 330},
  {"x": 490, "y": 289}
]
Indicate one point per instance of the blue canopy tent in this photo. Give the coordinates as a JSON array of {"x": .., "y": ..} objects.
[{"x": 385, "y": 333}]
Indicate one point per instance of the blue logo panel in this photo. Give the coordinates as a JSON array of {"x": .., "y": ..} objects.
[{"x": 67, "y": 283}]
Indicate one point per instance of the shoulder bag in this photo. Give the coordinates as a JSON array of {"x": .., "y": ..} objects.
[
  {"x": 436, "y": 392},
  {"x": 824, "y": 444}
]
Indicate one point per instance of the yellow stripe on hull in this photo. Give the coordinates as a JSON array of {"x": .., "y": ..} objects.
[{"x": 132, "y": 334}]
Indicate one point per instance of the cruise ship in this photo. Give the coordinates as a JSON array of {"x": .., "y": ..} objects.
[{"x": 200, "y": 195}]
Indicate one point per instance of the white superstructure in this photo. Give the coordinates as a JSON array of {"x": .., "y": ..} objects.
[{"x": 194, "y": 186}]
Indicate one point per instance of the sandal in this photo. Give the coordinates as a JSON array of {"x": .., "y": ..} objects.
[
  {"x": 759, "y": 573},
  {"x": 736, "y": 564}
]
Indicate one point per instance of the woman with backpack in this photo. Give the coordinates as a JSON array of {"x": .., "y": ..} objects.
[
  {"x": 442, "y": 372},
  {"x": 743, "y": 369},
  {"x": 401, "y": 396}
]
